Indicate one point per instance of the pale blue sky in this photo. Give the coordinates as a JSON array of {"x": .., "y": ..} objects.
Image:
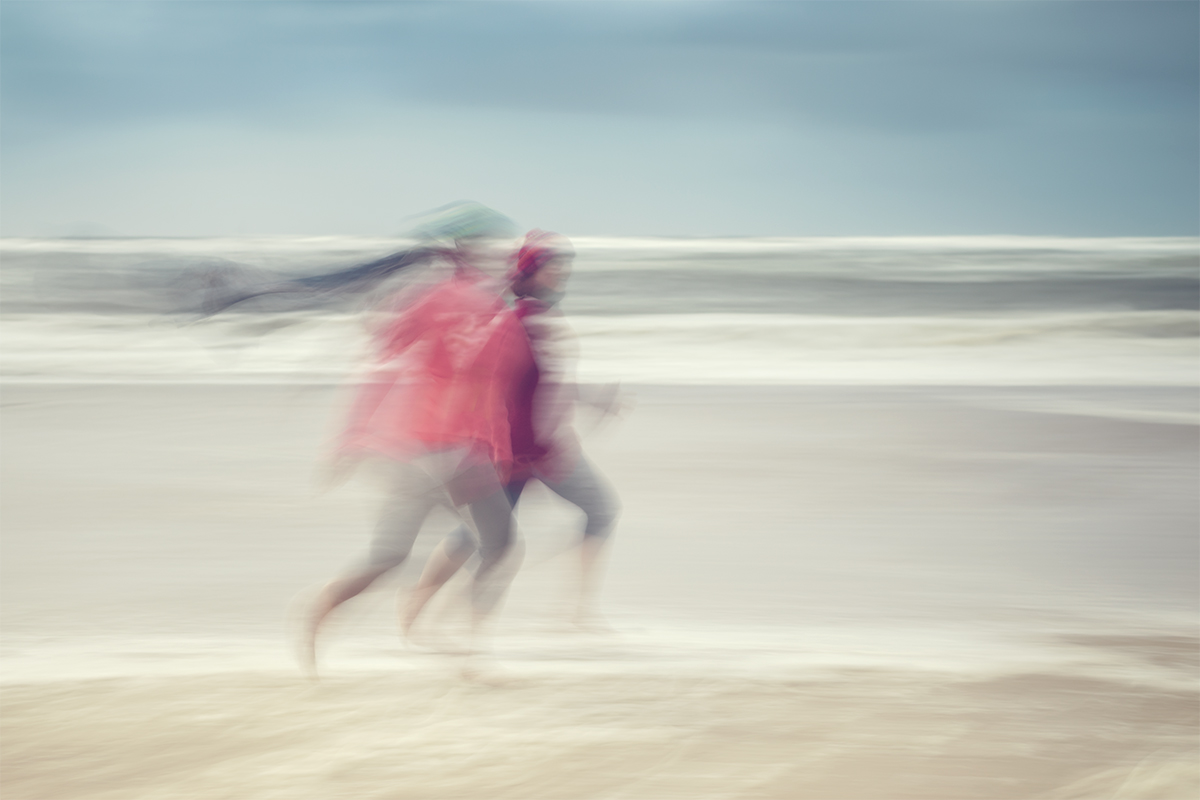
[{"x": 189, "y": 118}]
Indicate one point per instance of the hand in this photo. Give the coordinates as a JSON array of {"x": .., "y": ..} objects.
[{"x": 610, "y": 401}]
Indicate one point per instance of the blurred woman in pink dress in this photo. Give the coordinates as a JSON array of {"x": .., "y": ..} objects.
[{"x": 543, "y": 442}]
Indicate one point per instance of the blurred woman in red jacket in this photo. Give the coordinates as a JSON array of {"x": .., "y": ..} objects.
[{"x": 436, "y": 409}]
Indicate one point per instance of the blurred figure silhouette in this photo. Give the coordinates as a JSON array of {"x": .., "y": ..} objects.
[
  {"x": 435, "y": 410},
  {"x": 543, "y": 441}
]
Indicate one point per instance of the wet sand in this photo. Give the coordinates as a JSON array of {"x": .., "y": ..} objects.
[{"x": 817, "y": 593}]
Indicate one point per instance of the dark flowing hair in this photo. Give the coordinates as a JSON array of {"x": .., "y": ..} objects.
[{"x": 212, "y": 290}]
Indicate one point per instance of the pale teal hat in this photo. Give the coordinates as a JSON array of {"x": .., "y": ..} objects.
[{"x": 462, "y": 219}]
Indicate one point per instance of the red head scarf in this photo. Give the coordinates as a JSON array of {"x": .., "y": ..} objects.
[{"x": 538, "y": 248}]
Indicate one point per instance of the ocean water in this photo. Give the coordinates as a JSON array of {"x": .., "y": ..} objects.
[{"x": 949, "y": 311}]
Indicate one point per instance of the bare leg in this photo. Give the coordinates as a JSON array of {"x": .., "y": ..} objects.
[
  {"x": 479, "y": 665},
  {"x": 493, "y": 520},
  {"x": 413, "y": 495},
  {"x": 587, "y": 490},
  {"x": 591, "y": 551},
  {"x": 446, "y": 560},
  {"x": 449, "y": 557},
  {"x": 333, "y": 595}
]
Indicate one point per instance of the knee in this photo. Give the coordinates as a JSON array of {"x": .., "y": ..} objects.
[
  {"x": 460, "y": 544},
  {"x": 385, "y": 556},
  {"x": 342, "y": 589},
  {"x": 602, "y": 517},
  {"x": 494, "y": 547}
]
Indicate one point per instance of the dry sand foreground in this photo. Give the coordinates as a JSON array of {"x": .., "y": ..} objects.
[
  {"x": 967, "y": 603},
  {"x": 866, "y": 736}
]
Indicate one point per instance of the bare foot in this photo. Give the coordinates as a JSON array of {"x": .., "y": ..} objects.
[
  {"x": 486, "y": 672},
  {"x": 591, "y": 622},
  {"x": 306, "y": 652},
  {"x": 441, "y": 644}
]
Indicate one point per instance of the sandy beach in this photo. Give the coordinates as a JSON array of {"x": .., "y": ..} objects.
[
  {"x": 818, "y": 593},
  {"x": 885, "y": 318}
]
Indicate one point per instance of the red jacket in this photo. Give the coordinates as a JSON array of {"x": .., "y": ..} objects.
[{"x": 447, "y": 366}]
